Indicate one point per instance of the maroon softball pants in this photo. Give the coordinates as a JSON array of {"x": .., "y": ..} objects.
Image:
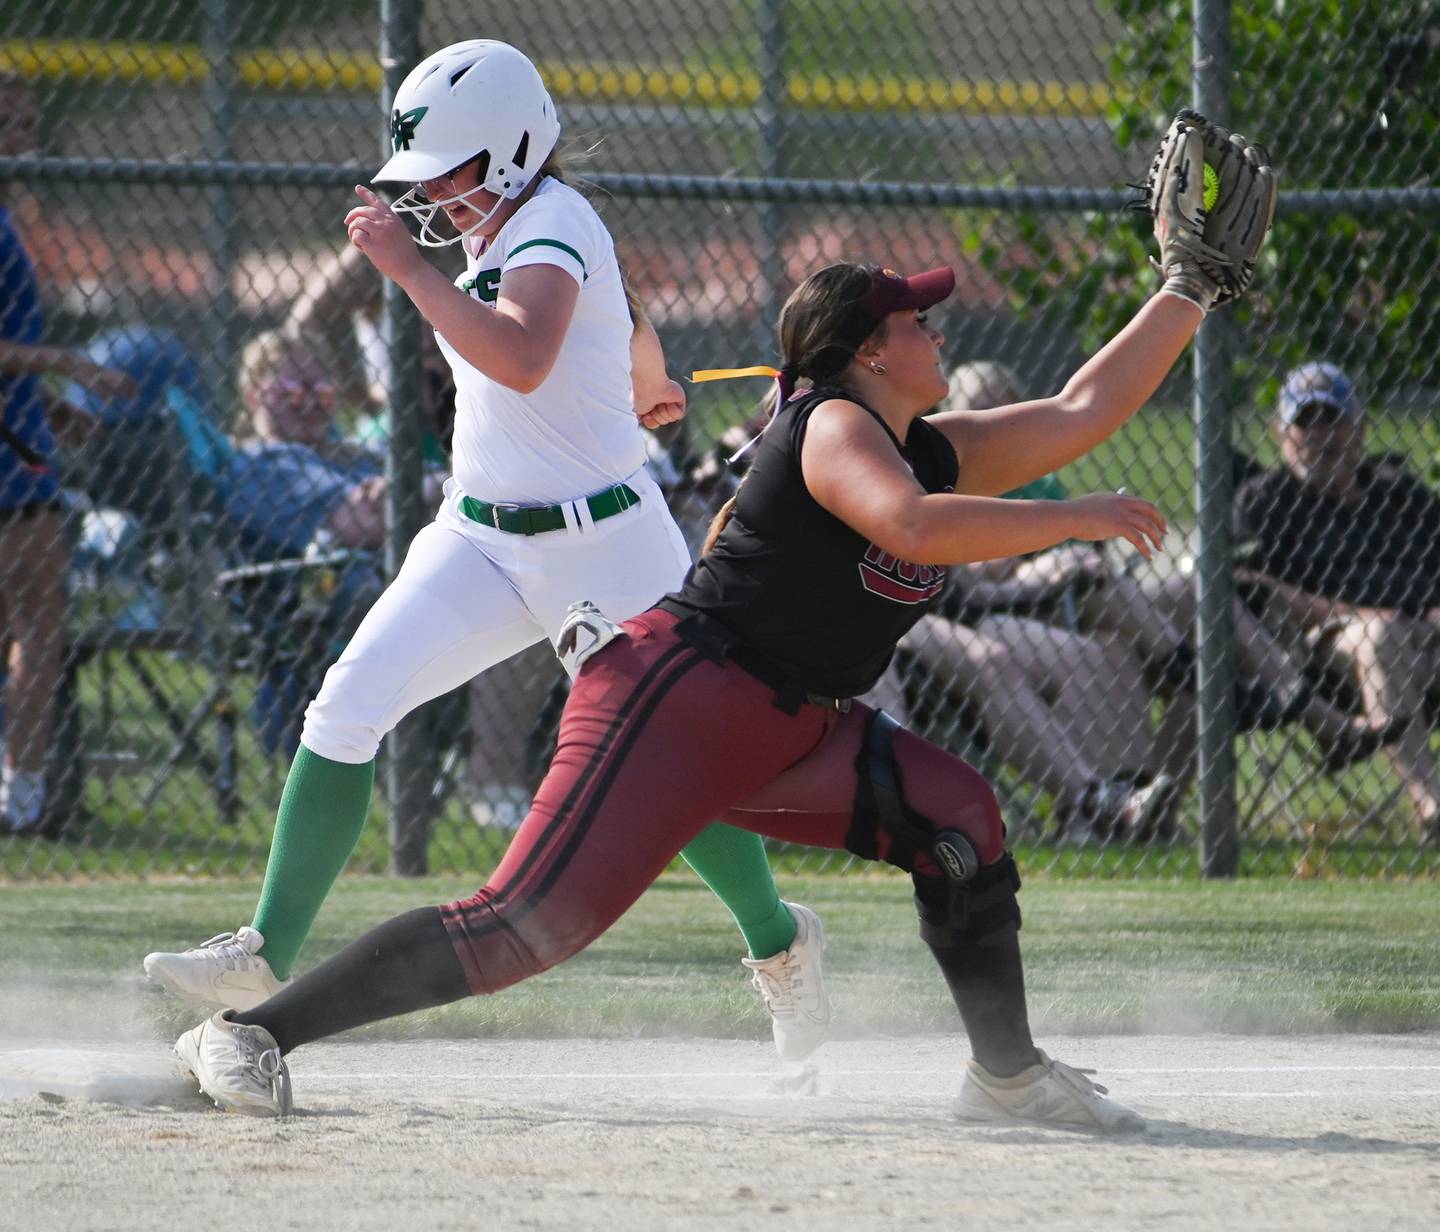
[{"x": 656, "y": 742}]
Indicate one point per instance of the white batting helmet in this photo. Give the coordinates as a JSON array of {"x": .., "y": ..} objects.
[{"x": 479, "y": 99}]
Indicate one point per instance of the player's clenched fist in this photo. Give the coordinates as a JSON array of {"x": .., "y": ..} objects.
[
  {"x": 376, "y": 230},
  {"x": 668, "y": 407},
  {"x": 1109, "y": 515}
]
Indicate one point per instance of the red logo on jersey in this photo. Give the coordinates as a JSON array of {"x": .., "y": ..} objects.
[{"x": 898, "y": 580}]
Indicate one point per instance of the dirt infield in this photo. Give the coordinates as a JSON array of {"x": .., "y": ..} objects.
[{"x": 1316, "y": 1133}]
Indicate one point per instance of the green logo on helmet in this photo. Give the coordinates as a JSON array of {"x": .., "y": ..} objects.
[{"x": 402, "y": 127}]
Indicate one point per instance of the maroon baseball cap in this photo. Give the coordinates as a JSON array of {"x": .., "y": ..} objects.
[{"x": 889, "y": 292}]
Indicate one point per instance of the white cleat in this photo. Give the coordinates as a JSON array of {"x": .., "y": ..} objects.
[
  {"x": 226, "y": 971},
  {"x": 1050, "y": 1093},
  {"x": 239, "y": 1067},
  {"x": 793, "y": 985}
]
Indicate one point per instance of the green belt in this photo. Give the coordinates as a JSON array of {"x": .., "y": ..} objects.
[{"x": 537, "y": 519}]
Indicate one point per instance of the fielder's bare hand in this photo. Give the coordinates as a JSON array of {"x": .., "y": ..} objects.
[
  {"x": 376, "y": 230},
  {"x": 1108, "y": 515}
]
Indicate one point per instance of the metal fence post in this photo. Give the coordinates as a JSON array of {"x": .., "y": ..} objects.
[
  {"x": 407, "y": 755},
  {"x": 221, "y": 219},
  {"x": 1214, "y": 480},
  {"x": 772, "y": 167},
  {"x": 222, "y": 343}
]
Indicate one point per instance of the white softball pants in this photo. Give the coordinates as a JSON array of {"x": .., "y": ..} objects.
[{"x": 469, "y": 596}]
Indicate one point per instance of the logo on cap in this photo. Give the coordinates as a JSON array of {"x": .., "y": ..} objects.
[{"x": 402, "y": 127}]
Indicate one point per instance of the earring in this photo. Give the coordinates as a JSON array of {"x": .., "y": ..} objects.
[{"x": 878, "y": 369}]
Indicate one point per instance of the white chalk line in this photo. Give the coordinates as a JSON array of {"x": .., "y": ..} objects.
[
  {"x": 331, "y": 1082},
  {"x": 846, "y": 1071},
  {"x": 696, "y": 1075},
  {"x": 771, "y": 1085},
  {"x": 1277, "y": 1069},
  {"x": 1347, "y": 1096},
  {"x": 770, "y": 1082}
]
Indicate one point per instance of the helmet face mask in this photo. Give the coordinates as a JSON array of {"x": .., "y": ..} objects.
[
  {"x": 477, "y": 100},
  {"x": 427, "y": 208}
]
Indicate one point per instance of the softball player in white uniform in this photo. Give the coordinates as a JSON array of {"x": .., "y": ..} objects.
[{"x": 549, "y": 502}]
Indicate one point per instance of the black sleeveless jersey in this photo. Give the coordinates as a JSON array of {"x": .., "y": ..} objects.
[{"x": 801, "y": 589}]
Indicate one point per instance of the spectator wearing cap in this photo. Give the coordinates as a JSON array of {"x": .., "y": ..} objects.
[
  {"x": 1104, "y": 627},
  {"x": 1346, "y": 548}
]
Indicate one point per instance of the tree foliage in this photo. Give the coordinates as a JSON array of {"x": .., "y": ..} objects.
[{"x": 1344, "y": 93}]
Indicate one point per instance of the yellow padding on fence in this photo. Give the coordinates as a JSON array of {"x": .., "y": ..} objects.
[
  {"x": 185, "y": 64},
  {"x": 295, "y": 69}
]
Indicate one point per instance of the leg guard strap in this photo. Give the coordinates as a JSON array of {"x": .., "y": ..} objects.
[
  {"x": 880, "y": 804},
  {"x": 954, "y": 915},
  {"x": 877, "y": 792}
]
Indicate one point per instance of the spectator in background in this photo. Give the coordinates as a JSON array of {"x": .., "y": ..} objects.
[
  {"x": 338, "y": 315},
  {"x": 1346, "y": 549},
  {"x": 289, "y": 485},
  {"x": 289, "y": 481},
  {"x": 1071, "y": 585},
  {"x": 295, "y": 485},
  {"x": 1071, "y": 588},
  {"x": 157, "y": 446},
  {"x": 33, "y": 553},
  {"x": 296, "y": 479},
  {"x": 1068, "y": 711}
]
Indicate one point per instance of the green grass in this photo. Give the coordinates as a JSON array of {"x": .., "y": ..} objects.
[{"x": 1255, "y": 956}]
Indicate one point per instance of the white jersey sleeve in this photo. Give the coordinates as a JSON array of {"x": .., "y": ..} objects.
[{"x": 552, "y": 232}]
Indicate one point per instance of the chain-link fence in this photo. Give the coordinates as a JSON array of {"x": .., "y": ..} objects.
[{"x": 213, "y": 523}]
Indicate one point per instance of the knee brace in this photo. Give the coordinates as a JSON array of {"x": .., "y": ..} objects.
[
  {"x": 954, "y": 915},
  {"x": 880, "y": 804}
]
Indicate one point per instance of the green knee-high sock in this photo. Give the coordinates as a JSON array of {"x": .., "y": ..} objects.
[
  {"x": 733, "y": 864},
  {"x": 322, "y": 811}
]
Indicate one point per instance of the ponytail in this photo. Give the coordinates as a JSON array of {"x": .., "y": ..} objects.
[
  {"x": 719, "y": 522},
  {"x": 785, "y": 383},
  {"x": 785, "y": 379},
  {"x": 816, "y": 327}
]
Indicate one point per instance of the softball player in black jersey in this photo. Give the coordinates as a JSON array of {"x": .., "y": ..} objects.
[{"x": 730, "y": 698}]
